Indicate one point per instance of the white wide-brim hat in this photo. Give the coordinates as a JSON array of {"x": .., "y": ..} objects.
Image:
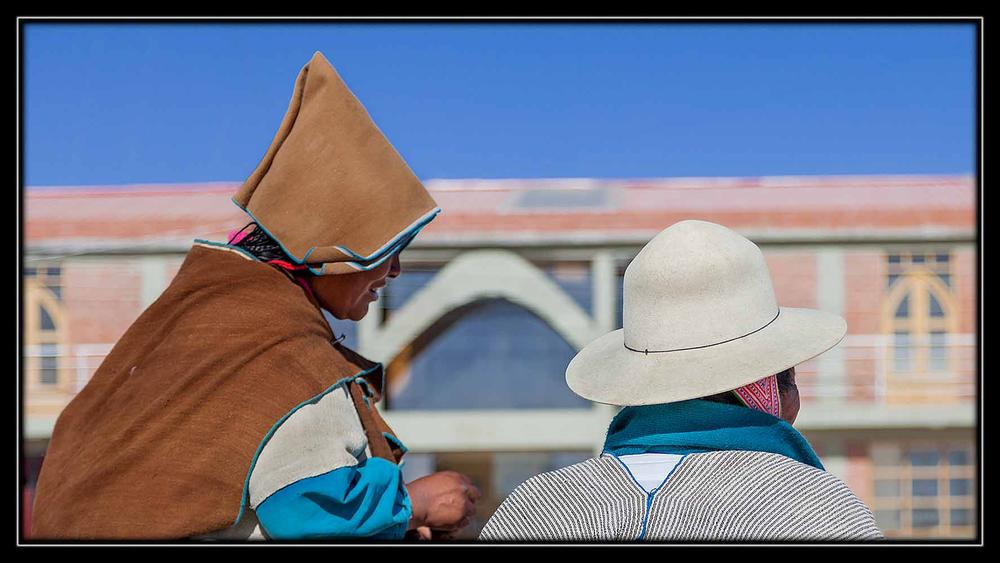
[{"x": 700, "y": 317}]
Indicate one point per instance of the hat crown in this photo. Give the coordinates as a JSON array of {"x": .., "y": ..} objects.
[{"x": 696, "y": 284}]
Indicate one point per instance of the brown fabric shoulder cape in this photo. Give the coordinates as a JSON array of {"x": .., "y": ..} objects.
[{"x": 160, "y": 442}]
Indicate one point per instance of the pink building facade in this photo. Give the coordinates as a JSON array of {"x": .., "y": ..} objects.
[{"x": 892, "y": 410}]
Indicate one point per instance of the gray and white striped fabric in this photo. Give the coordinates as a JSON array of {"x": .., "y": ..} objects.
[{"x": 715, "y": 496}]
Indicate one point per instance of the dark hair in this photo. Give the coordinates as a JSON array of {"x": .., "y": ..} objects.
[
  {"x": 260, "y": 244},
  {"x": 786, "y": 381}
]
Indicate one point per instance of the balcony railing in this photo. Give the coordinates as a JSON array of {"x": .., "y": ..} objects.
[
  {"x": 863, "y": 369},
  {"x": 872, "y": 369}
]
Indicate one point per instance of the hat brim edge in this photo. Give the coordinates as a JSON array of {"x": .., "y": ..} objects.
[{"x": 605, "y": 371}]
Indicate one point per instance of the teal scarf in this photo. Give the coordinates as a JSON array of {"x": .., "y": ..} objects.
[{"x": 697, "y": 426}]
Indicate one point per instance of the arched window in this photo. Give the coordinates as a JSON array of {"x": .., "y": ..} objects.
[
  {"x": 920, "y": 312},
  {"x": 491, "y": 354},
  {"x": 43, "y": 316}
]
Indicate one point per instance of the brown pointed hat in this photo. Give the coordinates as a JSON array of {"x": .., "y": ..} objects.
[{"x": 331, "y": 189}]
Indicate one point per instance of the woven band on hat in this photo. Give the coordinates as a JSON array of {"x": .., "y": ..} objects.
[{"x": 646, "y": 351}]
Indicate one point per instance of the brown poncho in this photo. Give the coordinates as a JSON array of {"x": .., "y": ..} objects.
[{"x": 159, "y": 444}]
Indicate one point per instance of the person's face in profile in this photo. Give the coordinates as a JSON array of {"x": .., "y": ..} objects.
[
  {"x": 789, "y": 396},
  {"x": 347, "y": 296}
]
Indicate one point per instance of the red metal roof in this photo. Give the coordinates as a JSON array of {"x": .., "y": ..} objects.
[{"x": 544, "y": 207}]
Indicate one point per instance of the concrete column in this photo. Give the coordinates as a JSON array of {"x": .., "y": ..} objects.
[
  {"x": 830, "y": 296},
  {"x": 604, "y": 293},
  {"x": 604, "y": 280},
  {"x": 154, "y": 278}
]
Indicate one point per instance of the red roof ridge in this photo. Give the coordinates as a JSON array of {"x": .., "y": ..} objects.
[
  {"x": 473, "y": 185},
  {"x": 126, "y": 190}
]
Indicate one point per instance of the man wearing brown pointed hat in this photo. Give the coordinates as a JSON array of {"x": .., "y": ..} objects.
[
  {"x": 229, "y": 410},
  {"x": 703, "y": 448}
]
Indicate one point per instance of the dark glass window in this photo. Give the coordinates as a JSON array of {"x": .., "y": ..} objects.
[
  {"x": 45, "y": 319},
  {"x": 961, "y": 517},
  {"x": 959, "y": 457},
  {"x": 925, "y": 518},
  {"x": 49, "y": 372},
  {"x": 495, "y": 355},
  {"x": 903, "y": 309},
  {"x": 935, "y": 306},
  {"x": 917, "y": 259},
  {"x": 925, "y": 487},
  {"x": 894, "y": 259},
  {"x": 924, "y": 458},
  {"x": 960, "y": 487}
]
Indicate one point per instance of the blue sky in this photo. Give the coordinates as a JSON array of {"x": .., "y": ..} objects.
[{"x": 135, "y": 103}]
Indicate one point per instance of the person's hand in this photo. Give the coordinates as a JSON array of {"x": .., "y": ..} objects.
[
  {"x": 424, "y": 533},
  {"x": 441, "y": 502}
]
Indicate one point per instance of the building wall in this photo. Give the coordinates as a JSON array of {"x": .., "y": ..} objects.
[
  {"x": 793, "y": 273},
  {"x": 102, "y": 298},
  {"x": 965, "y": 284}
]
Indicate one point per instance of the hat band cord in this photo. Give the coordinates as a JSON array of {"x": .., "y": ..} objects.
[{"x": 647, "y": 351}]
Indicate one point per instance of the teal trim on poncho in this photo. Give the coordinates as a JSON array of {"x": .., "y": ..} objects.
[{"x": 698, "y": 426}]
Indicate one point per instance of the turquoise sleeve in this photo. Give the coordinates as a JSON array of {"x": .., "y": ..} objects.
[{"x": 367, "y": 500}]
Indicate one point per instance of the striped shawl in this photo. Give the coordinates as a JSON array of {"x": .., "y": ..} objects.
[{"x": 716, "y": 496}]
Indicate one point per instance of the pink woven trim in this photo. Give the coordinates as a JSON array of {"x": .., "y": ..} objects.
[
  {"x": 288, "y": 266},
  {"x": 239, "y": 234},
  {"x": 762, "y": 395}
]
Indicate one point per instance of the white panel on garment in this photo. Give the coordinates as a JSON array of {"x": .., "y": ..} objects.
[
  {"x": 316, "y": 439},
  {"x": 650, "y": 469}
]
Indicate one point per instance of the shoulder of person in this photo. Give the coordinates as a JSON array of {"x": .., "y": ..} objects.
[
  {"x": 582, "y": 483},
  {"x": 589, "y": 473},
  {"x": 808, "y": 499},
  {"x": 539, "y": 508}
]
